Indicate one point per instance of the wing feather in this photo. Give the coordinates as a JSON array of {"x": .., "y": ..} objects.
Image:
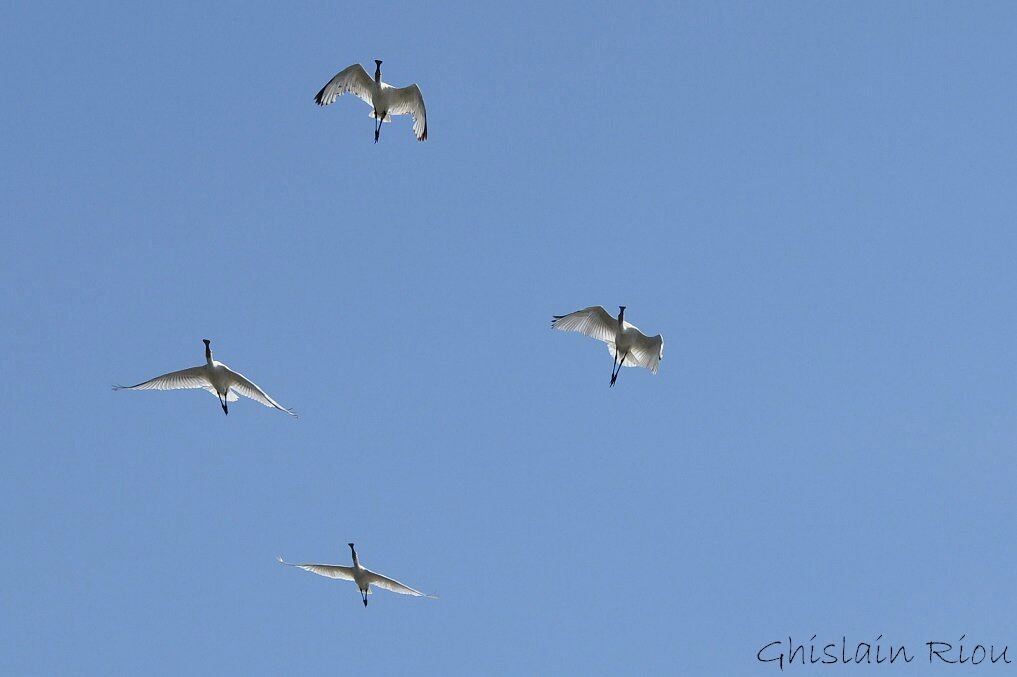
[
  {"x": 326, "y": 570},
  {"x": 386, "y": 583},
  {"x": 247, "y": 388},
  {"x": 352, "y": 79},
  {"x": 409, "y": 101},
  {"x": 195, "y": 377},
  {"x": 594, "y": 322}
]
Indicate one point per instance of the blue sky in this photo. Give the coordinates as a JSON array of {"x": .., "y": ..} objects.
[{"x": 812, "y": 202}]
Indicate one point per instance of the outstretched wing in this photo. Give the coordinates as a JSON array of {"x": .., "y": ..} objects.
[
  {"x": 353, "y": 79},
  {"x": 646, "y": 352},
  {"x": 594, "y": 321},
  {"x": 409, "y": 101},
  {"x": 326, "y": 570},
  {"x": 195, "y": 377},
  {"x": 386, "y": 583},
  {"x": 247, "y": 388}
]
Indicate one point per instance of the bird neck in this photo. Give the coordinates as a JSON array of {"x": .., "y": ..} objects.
[
  {"x": 356, "y": 560},
  {"x": 621, "y": 316},
  {"x": 208, "y": 355},
  {"x": 377, "y": 74}
]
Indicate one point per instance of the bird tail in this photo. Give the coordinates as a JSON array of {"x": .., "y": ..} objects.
[{"x": 388, "y": 116}]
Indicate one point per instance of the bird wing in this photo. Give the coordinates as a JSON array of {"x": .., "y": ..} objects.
[
  {"x": 594, "y": 321},
  {"x": 409, "y": 101},
  {"x": 245, "y": 387},
  {"x": 353, "y": 79},
  {"x": 326, "y": 570},
  {"x": 387, "y": 583},
  {"x": 646, "y": 352},
  {"x": 195, "y": 377}
]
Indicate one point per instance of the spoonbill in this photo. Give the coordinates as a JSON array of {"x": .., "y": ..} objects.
[
  {"x": 364, "y": 578},
  {"x": 216, "y": 378},
  {"x": 384, "y": 99},
  {"x": 628, "y": 346}
]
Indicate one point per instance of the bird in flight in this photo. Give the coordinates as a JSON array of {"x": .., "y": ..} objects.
[
  {"x": 384, "y": 99},
  {"x": 364, "y": 578},
  {"x": 216, "y": 378},
  {"x": 628, "y": 346}
]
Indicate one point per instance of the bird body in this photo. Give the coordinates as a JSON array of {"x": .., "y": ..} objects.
[
  {"x": 384, "y": 99},
  {"x": 216, "y": 378},
  {"x": 626, "y": 338},
  {"x": 219, "y": 375},
  {"x": 362, "y": 576},
  {"x": 628, "y": 346}
]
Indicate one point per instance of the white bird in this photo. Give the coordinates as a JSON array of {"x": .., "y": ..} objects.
[
  {"x": 364, "y": 578},
  {"x": 628, "y": 346},
  {"x": 216, "y": 378},
  {"x": 384, "y": 99}
]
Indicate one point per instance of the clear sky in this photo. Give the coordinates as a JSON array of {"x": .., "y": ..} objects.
[{"x": 812, "y": 202}]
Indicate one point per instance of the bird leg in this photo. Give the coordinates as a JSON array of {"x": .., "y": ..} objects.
[
  {"x": 377, "y": 133},
  {"x": 614, "y": 365},
  {"x": 222, "y": 401},
  {"x": 614, "y": 375},
  {"x": 364, "y": 595}
]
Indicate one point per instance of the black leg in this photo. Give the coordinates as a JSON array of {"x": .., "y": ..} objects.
[
  {"x": 614, "y": 365},
  {"x": 365, "y": 597},
  {"x": 222, "y": 401},
  {"x": 621, "y": 363}
]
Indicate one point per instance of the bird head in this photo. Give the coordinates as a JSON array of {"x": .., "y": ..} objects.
[
  {"x": 206, "y": 342},
  {"x": 378, "y": 62},
  {"x": 351, "y": 545}
]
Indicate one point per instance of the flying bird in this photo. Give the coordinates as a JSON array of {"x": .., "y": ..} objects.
[
  {"x": 628, "y": 346},
  {"x": 216, "y": 378},
  {"x": 364, "y": 578},
  {"x": 384, "y": 99}
]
